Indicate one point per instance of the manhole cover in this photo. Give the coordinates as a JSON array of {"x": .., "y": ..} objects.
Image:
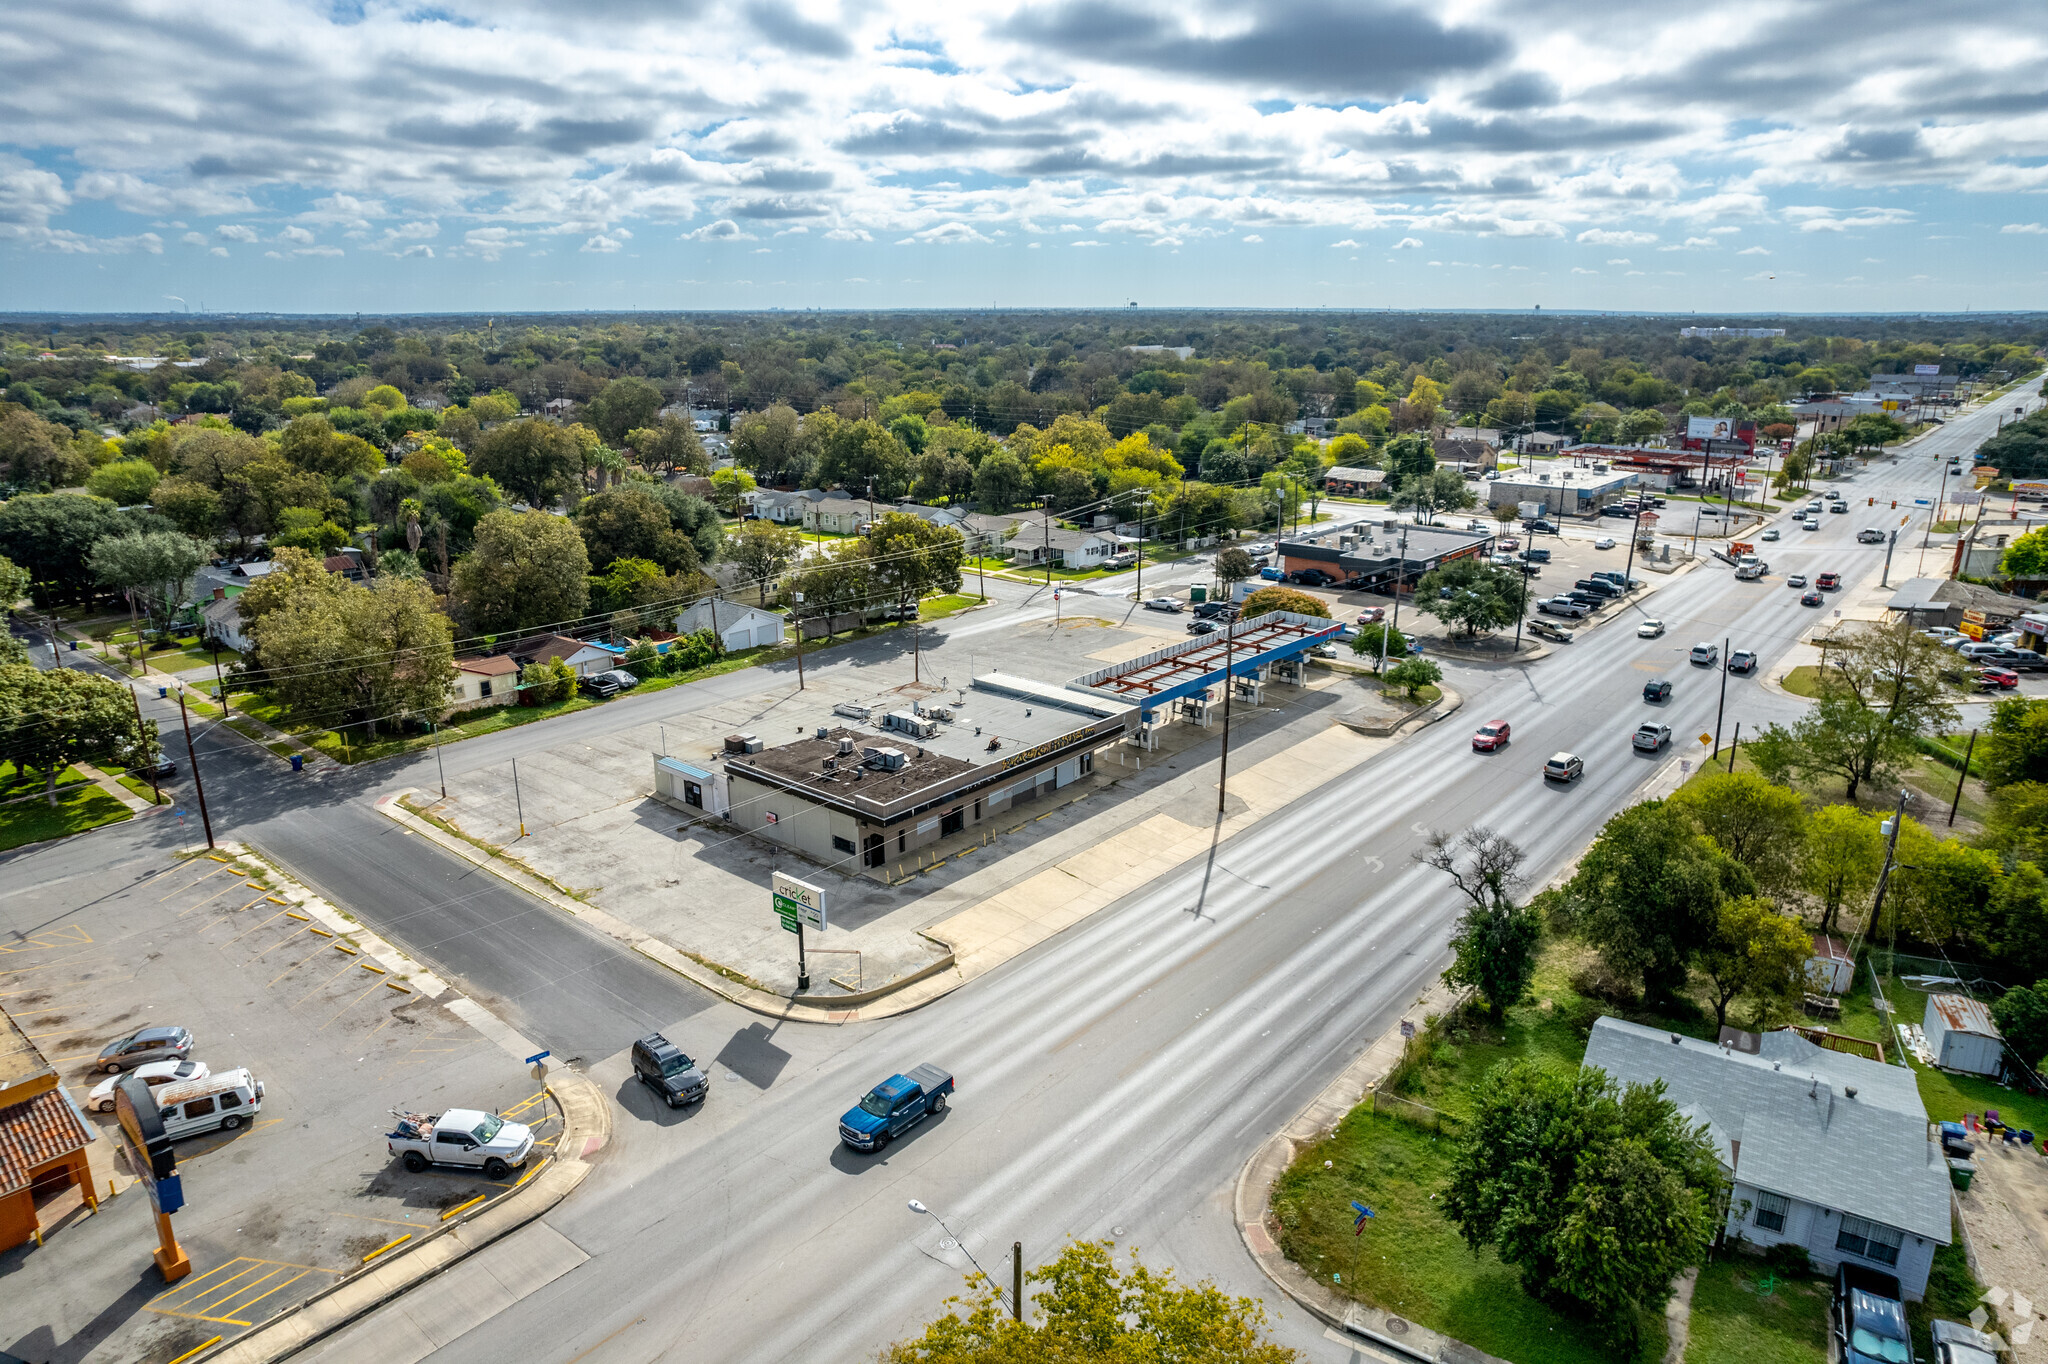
[
  {"x": 1116, "y": 1231},
  {"x": 949, "y": 1244},
  {"x": 1396, "y": 1327}
]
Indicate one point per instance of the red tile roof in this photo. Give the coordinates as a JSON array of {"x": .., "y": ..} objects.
[{"x": 35, "y": 1133}]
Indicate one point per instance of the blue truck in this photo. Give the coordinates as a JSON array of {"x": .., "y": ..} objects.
[{"x": 894, "y": 1106}]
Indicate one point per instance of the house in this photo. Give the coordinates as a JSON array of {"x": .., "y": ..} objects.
[
  {"x": 1961, "y": 1035},
  {"x": 487, "y": 681},
  {"x": 737, "y": 627},
  {"x": 1830, "y": 967},
  {"x": 1465, "y": 454},
  {"x": 223, "y": 621},
  {"x": 1347, "y": 481},
  {"x": 1566, "y": 492},
  {"x": 1951, "y": 602},
  {"x": 558, "y": 407},
  {"x": 43, "y": 1142},
  {"x": 845, "y": 516},
  {"x": 348, "y": 562},
  {"x": 1827, "y": 1151},
  {"x": 1067, "y": 548},
  {"x": 585, "y": 659}
]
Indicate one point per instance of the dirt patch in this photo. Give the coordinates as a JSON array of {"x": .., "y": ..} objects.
[{"x": 356, "y": 1247}]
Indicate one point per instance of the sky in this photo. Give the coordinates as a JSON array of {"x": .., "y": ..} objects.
[{"x": 529, "y": 155}]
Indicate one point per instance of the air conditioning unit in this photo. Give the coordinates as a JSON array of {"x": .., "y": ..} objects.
[
  {"x": 908, "y": 722},
  {"x": 845, "y": 746},
  {"x": 886, "y": 759},
  {"x": 852, "y": 710}
]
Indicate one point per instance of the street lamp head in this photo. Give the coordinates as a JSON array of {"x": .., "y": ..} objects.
[{"x": 919, "y": 1208}]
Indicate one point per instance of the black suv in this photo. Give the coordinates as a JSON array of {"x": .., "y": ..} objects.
[
  {"x": 662, "y": 1067},
  {"x": 1310, "y": 577},
  {"x": 600, "y": 685}
]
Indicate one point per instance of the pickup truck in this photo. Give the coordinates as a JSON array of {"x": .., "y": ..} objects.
[
  {"x": 462, "y": 1136},
  {"x": 895, "y": 1106}
]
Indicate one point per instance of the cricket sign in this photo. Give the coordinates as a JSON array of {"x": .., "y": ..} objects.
[{"x": 799, "y": 903}]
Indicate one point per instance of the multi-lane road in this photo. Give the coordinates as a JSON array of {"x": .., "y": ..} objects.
[{"x": 1111, "y": 1082}]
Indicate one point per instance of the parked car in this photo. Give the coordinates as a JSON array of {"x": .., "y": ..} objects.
[
  {"x": 1273, "y": 575},
  {"x": 1770, "y": 534},
  {"x": 1980, "y": 648},
  {"x": 1209, "y": 610},
  {"x": 1620, "y": 580},
  {"x": 1564, "y": 767},
  {"x": 1540, "y": 527},
  {"x": 2020, "y": 660},
  {"x": 1742, "y": 661},
  {"x": 1201, "y": 627},
  {"x": 1707, "y": 654},
  {"x": 1534, "y": 556},
  {"x": 1263, "y": 547},
  {"x": 465, "y": 1137},
  {"x": 1599, "y": 587},
  {"x": 663, "y": 1067},
  {"x": 1310, "y": 577},
  {"x": 1372, "y": 615},
  {"x": 140, "y": 1048},
  {"x": 1657, "y": 689},
  {"x": 1604, "y": 542},
  {"x": 1813, "y": 599},
  {"x": 895, "y": 1106},
  {"x": 1828, "y": 582},
  {"x": 1869, "y": 1317},
  {"x": 1492, "y": 735},
  {"x": 1650, "y": 629},
  {"x": 156, "y": 771},
  {"x": 1944, "y": 634},
  {"x": 1795, "y": 580},
  {"x": 626, "y": 681},
  {"x": 1162, "y": 604},
  {"x": 210, "y": 1103},
  {"x": 1543, "y": 629},
  {"x": 1955, "y": 1343},
  {"x": 599, "y": 685},
  {"x": 1563, "y": 606},
  {"x": 1650, "y": 736},
  {"x": 156, "y": 1073},
  {"x": 1510, "y": 542},
  {"x": 1997, "y": 679}
]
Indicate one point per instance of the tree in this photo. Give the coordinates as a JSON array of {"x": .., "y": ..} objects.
[
  {"x": 1759, "y": 824},
  {"x": 728, "y": 486},
  {"x": 1884, "y": 688},
  {"x": 189, "y": 505},
  {"x": 2025, "y": 557},
  {"x": 1412, "y": 674},
  {"x": 1090, "y": 1312},
  {"x": 669, "y": 444},
  {"x": 621, "y": 406},
  {"x": 312, "y": 445},
  {"x": 535, "y": 460},
  {"x": 125, "y": 482},
  {"x": 1001, "y": 482},
  {"x": 51, "y": 718},
  {"x": 1409, "y": 454},
  {"x": 1647, "y": 895},
  {"x": 763, "y": 551},
  {"x": 865, "y": 459},
  {"x": 912, "y": 558},
  {"x": 630, "y": 523},
  {"x": 1376, "y": 642},
  {"x": 1233, "y": 566},
  {"x": 2015, "y": 743},
  {"x": 1593, "y": 1193},
  {"x": 33, "y": 453},
  {"x": 1495, "y": 943},
  {"x": 1439, "y": 490},
  {"x": 1282, "y": 599},
  {"x": 526, "y": 570},
  {"x": 1754, "y": 953},
  {"x": 548, "y": 682},
  {"x": 773, "y": 445},
  {"x": 2020, "y": 449},
  {"x": 52, "y": 537},
  {"x": 1840, "y": 862},
  {"x": 1482, "y": 596},
  {"x": 368, "y": 655},
  {"x": 154, "y": 568},
  {"x": 910, "y": 430},
  {"x": 2021, "y": 1014}
]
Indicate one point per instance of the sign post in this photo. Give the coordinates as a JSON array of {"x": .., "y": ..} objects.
[
  {"x": 798, "y": 903},
  {"x": 156, "y": 1165}
]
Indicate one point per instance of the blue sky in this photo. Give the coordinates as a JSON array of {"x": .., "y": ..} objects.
[{"x": 664, "y": 154}]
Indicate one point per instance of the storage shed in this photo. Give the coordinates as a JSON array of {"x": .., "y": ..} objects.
[
  {"x": 1962, "y": 1036},
  {"x": 1830, "y": 967}
]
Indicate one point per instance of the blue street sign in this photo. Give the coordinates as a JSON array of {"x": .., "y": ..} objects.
[
  {"x": 1363, "y": 1213},
  {"x": 168, "y": 1194},
  {"x": 538, "y": 1057}
]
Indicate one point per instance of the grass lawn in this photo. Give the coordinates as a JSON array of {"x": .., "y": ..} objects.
[
  {"x": 1803, "y": 680},
  {"x": 1744, "y": 1312},
  {"x": 32, "y": 821},
  {"x": 20, "y": 781}
]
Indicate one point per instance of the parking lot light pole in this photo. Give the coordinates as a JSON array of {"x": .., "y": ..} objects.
[
  {"x": 1229, "y": 661},
  {"x": 1017, "y": 1251}
]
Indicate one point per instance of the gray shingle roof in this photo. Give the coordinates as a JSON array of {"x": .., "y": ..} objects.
[{"x": 1784, "y": 1122}]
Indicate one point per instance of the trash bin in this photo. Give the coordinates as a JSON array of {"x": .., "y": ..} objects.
[
  {"x": 298, "y": 762},
  {"x": 1198, "y": 595},
  {"x": 162, "y": 692},
  {"x": 1960, "y": 1173}
]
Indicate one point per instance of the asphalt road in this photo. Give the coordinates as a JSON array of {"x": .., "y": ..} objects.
[{"x": 1112, "y": 1082}]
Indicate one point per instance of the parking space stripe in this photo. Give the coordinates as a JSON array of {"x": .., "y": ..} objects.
[
  {"x": 247, "y": 931},
  {"x": 71, "y": 935},
  {"x": 324, "y": 981},
  {"x": 289, "y": 969},
  {"x": 352, "y": 1003},
  {"x": 190, "y": 885}
]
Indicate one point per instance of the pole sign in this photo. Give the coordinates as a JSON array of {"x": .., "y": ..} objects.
[
  {"x": 150, "y": 1154},
  {"x": 798, "y": 903}
]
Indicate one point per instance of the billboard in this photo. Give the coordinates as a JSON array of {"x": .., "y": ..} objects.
[
  {"x": 1710, "y": 428},
  {"x": 1927, "y": 369}
]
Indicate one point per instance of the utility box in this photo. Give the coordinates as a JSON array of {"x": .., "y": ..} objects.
[
  {"x": 1962, "y": 1036},
  {"x": 1198, "y": 595}
]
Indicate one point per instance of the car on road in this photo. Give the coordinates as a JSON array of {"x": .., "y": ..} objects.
[
  {"x": 1564, "y": 606},
  {"x": 155, "y": 1074},
  {"x": 1543, "y": 629},
  {"x": 1795, "y": 580},
  {"x": 1263, "y": 547},
  {"x": 1706, "y": 654},
  {"x": 466, "y": 1137},
  {"x": 1810, "y": 523},
  {"x": 1650, "y": 629},
  {"x": 1540, "y": 527},
  {"x": 1657, "y": 689},
  {"x": 1742, "y": 661},
  {"x": 1372, "y": 615},
  {"x": 1770, "y": 534},
  {"x": 1812, "y": 599},
  {"x": 141, "y": 1048},
  {"x": 1869, "y": 1318},
  {"x": 1604, "y": 542},
  {"x": 1162, "y": 604},
  {"x": 895, "y": 1106},
  {"x": 599, "y": 685},
  {"x": 1828, "y": 582},
  {"x": 1201, "y": 627},
  {"x": 663, "y": 1067},
  {"x": 1492, "y": 735},
  {"x": 1564, "y": 767},
  {"x": 1813, "y": 506},
  {"x": 1870, "y": 535},
  {"x": 1839, "y": 507},
  {"x": 1651, "y": 736}
]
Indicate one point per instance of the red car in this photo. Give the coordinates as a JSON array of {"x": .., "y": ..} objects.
[
  {"x": 1493, "y": 734},
  {"x": 1828, "y": 582},
  {"x": 1997, "y": 679}
]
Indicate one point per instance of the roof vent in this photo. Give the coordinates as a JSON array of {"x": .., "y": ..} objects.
[
  {"x": 823, "y": 733},
  {"x": 1674, "y": 1039},
  {"x": 1849, "y": 1090}
]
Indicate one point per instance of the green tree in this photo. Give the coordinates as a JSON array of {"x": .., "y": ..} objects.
[
  {"x": 1408, "y": 455},
  {"x": 2025, "y": 557},
  {"x": 1592, "y": 1193},
  {"x": 1647, "y": 896},
  {"x": 1233, "y": 566},
  {"x": 369, "y": 655},
  {"x": 668, "y": 445},
  {"x": 52, "y": 537},
  {"x": 34, "y": 453},
  {"x": 728, "y": 486},
  {"x": 762, "y": 551},
  {"x": 912, "y": 558},
  {"x": 309, "y": 529},
  {"x": 189, "y": 505},
  {"x": 863, "y": 458},
  {"x": 526, "y": 570},
  {"x": 1843, "y": 855},
  {"x": 1759, "y": 824},
  {"x": 312, "y": 445},
  {"x": 1494, "y": 947},
  {"x": 125, "y": 482},
  {"x": 1439, "y": 490},
  {"x": 155, "y": 569},
  {"x": 1885, "y": 687},
  {"x": 630, "y": 523},
  {"x": 546, "y": 683},
  {"x": 1482, "y": 596},
  {"x": 773, "y": 445},
  {"x": 1382, "y": 641},
  {"x": 910, "y": 430},
  {"x": 1755, "y": 953},
  {"x": 2020, "y": 449},
  {"x": 13, "y": 587},
  {"x": 535, "y": 460},
  {"x": 622, "y": 406},
  {"x": 1001, "y": 482},
  {"x": 2015, "y": 743},
  {"x": 2021, "y": 1014},
  {"x": 1091, "y": 1312},
  {"x": 51, "y": 718},
  {"x": 1413, "y": 673}
]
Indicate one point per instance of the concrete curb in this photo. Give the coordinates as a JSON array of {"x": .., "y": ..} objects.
[
  {"x": 1252, "y": 1205},
  {"x": 586, "y": 1128}
]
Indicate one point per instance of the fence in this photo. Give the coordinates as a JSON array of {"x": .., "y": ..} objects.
[
  {"x": 1422, "y": 1115},
  {"x": 1886, "y": 962}
]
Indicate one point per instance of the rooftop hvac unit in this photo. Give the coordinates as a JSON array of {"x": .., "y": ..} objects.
[
  {"x": 908, "y": 722},
  {"x": 735, "y": 743},
  {"x": 852, "y": 710},
  {"x": 823, "y": 733},
  {"x": 886, "y": 759},
  {"x": 845, "y": 746}
]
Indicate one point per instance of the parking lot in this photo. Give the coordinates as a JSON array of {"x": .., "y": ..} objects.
[{"x": 337, "y": 1026}]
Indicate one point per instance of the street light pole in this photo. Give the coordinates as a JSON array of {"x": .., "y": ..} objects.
[
  {"x": 1721, "y": 709},
  {"x": 1017, "y": 1250},
  {"x": 1230, "y": 661}
]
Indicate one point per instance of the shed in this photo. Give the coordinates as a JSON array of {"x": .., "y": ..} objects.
[
  {"x": 1962, "y": 1036},
  {"x": 687, "y": 786},
  {"x": 1830, "y": 967}
]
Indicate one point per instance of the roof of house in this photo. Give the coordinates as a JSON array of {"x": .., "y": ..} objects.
[
  {"x": 220, "y": 610},
  {"x": 1825, "y": 1127},
  {"x": 730, "y": 614},
  {"x": 545, "y": 647},
  {"x": 1960, "y": 1013},
  {"x": 1345, "y": 473},
  {"x": 34, "y": 1133},
  {"x": 496, "y": 665}
]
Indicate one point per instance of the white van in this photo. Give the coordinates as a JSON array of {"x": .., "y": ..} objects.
[{"x": 221, "y": 1102}]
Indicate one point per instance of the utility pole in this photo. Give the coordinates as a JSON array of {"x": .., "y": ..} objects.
[
  {"x": 1229, "y": 661},
  {"x": 1017, "y": 1281},
  {"x": 518, "y": 803},
  {"x": 142, "y": 741},
  {"x": 192, "y": 756},
  {"x": 797, "y": 616},
  {"x": 220, "y": 683},
  {"x": 1890, "y": 541},
  {"x": 1891, "y": 852},
  {"x": 437, "y": 762},
  {"x": 1961, "y": 777},
  {"x": 1721, "y": 708}
]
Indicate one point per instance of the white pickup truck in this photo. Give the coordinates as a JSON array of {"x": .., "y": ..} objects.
[{"x": 461, "y": 1136}]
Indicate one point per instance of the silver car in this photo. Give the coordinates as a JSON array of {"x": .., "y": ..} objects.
[{"x": 140, "y": 1048}]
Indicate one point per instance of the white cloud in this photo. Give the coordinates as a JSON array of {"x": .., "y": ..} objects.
[
  {"x": 194, "y": 239},
  {"x": 945, "y": 234},
  {"x": 1753, "y": 251},
  {"x": 296, "y": 234},
  {"x": 1701, "y": 241},
  {"x": 1814, "y": 219},
  {"x": 491, "y": 242},
  {"x": 603, "y": 244},
  {"x": 1091, "y": 243},
  {"x": 724, "y": 230},
  {"x": 1582, "y": 270},
  {"x": 220, "y": 251},
  {"x": 1722, "y": 231},
  {"x": 1619, "y": 260},
  {"x": 421, "y": 250},
  {"x": 849, "y": 234},
  {"x": 1346, "y": 244},
  {"x": 1408, "y": 244},
  {"x": 2030, "y": 229},
  {"x": 1602, "y": 236},
  {"x": 318, "y": 251},
  {"x": 235, "y": 232},
  {"x": 1252, "y": 237}
]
